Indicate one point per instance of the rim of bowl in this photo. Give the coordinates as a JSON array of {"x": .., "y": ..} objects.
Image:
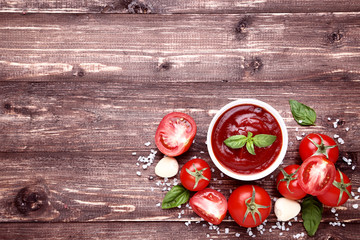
[{"x": 274, "y": 165}]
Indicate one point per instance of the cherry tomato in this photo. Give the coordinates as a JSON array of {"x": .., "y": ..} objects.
[
  {"x": 338, "y": 193},
  {"x": 316, "y": 175},
  {"x": 288, "y": 184},
  {"x": 175, "y": 134},
  {"x": 316, "y": 144},
  {"x": 249, "y": 205},
  {"x": 209, "y": 204},
  {"x": 195, "y": 175}
]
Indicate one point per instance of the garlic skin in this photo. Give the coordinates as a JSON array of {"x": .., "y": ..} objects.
[
  {"x": 167, "y": 167},
  {"x": 286, "y": 209}
]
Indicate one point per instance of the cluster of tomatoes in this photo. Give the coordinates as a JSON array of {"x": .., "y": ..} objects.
[
  {"x": 317, "y": 174},
  {"x": 250, "y": 205}
]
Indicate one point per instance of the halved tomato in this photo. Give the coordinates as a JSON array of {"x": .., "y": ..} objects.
[
  {"x": 175, "y": 134},
  {"x": 209, "y": 204},
  {"x": 316, "y": 175}
]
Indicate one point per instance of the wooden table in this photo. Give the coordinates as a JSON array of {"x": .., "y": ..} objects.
[{"x": 84, "y": 84}]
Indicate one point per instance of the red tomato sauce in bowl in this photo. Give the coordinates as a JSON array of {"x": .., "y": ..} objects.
[{"x": 239, "y": 120}]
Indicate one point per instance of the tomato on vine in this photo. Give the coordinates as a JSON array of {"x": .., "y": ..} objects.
[
  {"x": 287, "y": 183},
  {"x": 339, "y": 192},
  {"x": 195, "y": 175},
  {"x": 316, "y": 144},
  {"x": 249, "y": 205}
]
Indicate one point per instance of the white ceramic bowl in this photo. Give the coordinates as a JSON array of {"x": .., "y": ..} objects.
[{"x": 278, "y": 160}]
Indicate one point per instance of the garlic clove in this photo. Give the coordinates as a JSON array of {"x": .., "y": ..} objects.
[
  {"x": 167, "y": 167},
  {"x": 286, "y": 209}
]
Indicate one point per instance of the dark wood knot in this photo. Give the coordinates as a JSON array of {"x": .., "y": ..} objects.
[
  {"x": 240, "y": 28},
  {"x": 255, "y": 65},
  {"x": 164, "y": 66},
  {"x": 139, "y": 7},
  {"x": 335, "y": 36},
  {"x": 31, "y": 199}
]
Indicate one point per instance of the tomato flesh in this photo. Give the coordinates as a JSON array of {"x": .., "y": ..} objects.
[
  {"x": 209, "y": 204},
  {"x": 316, "y": 175},
  {"x": 175, "y": 134}
]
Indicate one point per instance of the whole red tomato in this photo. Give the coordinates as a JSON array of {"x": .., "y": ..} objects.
[
  {"x": 287, "y": 183},
  {"x": 195, "y": 175},
  {"x": 249, "y": 205},
  {"x": 338, "y": 193},
  {"x": 316, "y": 144},
  {"x": 175, "y": 134},
  {"x": 209, "y": 204},
  {"x": 316, "y": 175}
]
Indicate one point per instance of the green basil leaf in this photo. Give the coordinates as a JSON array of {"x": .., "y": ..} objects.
[
  {"x": 175, "y": 197},
  {"x": 264, "y": 140},
  {"x": 236, "y": 141},
  {"x": 311, "y": 214},
  {"x": 250, "y": 147},
  {"x": 303, "y": 115}
]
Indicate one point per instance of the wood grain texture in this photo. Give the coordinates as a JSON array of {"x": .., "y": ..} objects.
[
  {"x": 161, "y": 230},
  {"x": 114, "y": 116},
  {"x": 261, "y": 47},
  {"x": 82, "y": 91},
  {"x": 177, "y": 6}
]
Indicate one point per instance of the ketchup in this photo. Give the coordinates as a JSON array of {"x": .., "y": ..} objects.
[{"x": 240, "y": 120}]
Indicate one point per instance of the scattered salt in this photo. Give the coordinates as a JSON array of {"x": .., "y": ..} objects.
[
  {"x": 356, "y": 206},
  {"x": 336, "y": 136},
  {"x": 333, "y": 210},
  {"x": 227, "y": 230},
  {"x": 347, "y": 129},
  {"x": 329, "y": 119},
  {"x": 341, "y": 141},
  {"x": 147, "y": 144},
  {"x": 300, "y": 121},
  {"x": 353, "y": 167},
  {"x": 237, "y": 234},
  {"x": 298, "y": 138},
  {"x": 358, "y": 189},
  {"x": 138, "y": 173},
  {"x": 134, "y": 153}
]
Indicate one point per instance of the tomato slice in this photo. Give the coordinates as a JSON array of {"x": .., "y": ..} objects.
[
  {"x": 209, "y": 204},
  {"x": 175, "y": 134},
  {"x": 316, "y": 175}
]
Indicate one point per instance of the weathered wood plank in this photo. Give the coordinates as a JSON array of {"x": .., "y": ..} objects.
[
  {"x": 252, "y": 47},
  {"x": 165, "y": 230},
  {"x": 118, "y": 116},
  {"x": 177, "y": 6},
  {"x": 98, "y": 187}
]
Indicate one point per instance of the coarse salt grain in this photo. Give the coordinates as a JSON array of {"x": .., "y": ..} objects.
[
  {"x": 227, "y": 230},
  {"x": 355, "y": 206},
  {"x": 134, "y": 153},
  {"x": 336, "y": 136},
  {"x": 358, "y": 189},
  {"x": 237, "y": 234},
  {"x": 147, "y": 144},
  {"x": 347, "y": 129},
  {"x": 138, "y": 173},
  {"x": 341, "y": 141}
]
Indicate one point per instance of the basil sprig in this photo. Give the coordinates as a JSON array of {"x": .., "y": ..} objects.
[
  {"x": 175, "y": 197},
  {"x": 303, "y": 115},
  {"x": 259, "y": 140},
  {"x": 311, "y": 214}
]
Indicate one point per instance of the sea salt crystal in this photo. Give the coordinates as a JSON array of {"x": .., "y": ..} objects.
[
  {"x": 356, "y": 206},
  {"x": 300, "y": 121},
  {"x": 358, "y": 189},
  {"x": 297, "y": 129},
  {"x": 341, "y": 141},
  {"x": 147, "y": 144},
  {"x": 353, "y": 167},
  {"x": 329, "y": 119},
  {"x": 347, "y": 129},
  {"x": 237, "y": 234},
  {"x": 138, "y": 173},
  {"x": 336, "y": 136},
  {"x": 227, "y": 230},
  {"x": 134, "y": 153},
  {"x": 298, "y": 138},
  {"x": 333, "y": 210}
]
